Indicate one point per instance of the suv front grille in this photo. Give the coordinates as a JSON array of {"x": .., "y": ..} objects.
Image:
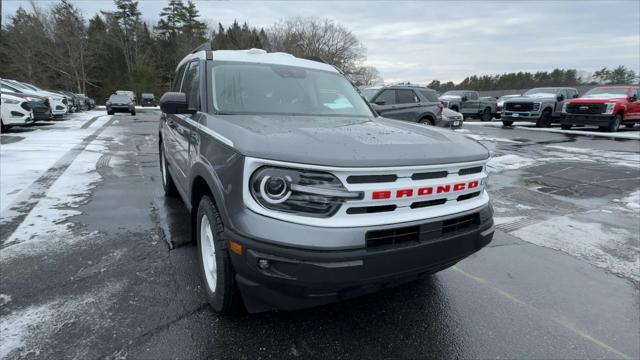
[
  {"x": 586, "y": 108},
  {"x": 518, "y": 106},
  {"x": 412, "y": 235}
]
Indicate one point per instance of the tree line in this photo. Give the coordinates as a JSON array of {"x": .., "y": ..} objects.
[
  {"x": 526, "y": 80},
  {"x": 58, "y": 48}
]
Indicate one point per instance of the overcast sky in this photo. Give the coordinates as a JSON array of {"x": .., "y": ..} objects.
[{"x": 419, "y": 41}]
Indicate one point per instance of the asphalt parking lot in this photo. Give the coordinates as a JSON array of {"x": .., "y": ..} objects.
[{"x": 96, "y": 263}]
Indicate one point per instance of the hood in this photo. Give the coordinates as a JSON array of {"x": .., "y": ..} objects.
[
  {"x": 536, "y": 98},
  {"x": 11, "y": 97},
  {"x": 345, "y": 141},
  {"x": 598, "y": 100},
  {"x": 25, "y": 96}
]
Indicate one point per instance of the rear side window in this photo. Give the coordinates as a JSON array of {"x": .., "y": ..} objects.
[
  {"x": 407, "y": 97},
  {"x": 191, "y": 85},
  {"x": 388, "y": 96},
  {"x": 634, "y": 92},
  {"x": 430, "y": 95}
]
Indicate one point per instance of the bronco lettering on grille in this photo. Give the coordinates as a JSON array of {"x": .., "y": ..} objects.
[{"x": 422, "y": 191}]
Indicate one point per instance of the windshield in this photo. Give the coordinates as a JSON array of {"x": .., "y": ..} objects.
[
  {"x": 147, "y": 96},
  {"x": 119, "y": 98},
  {"x": 453, "y": 93},
  {"x": 606, "y": 93},
  {"x": 279, "y": 89},
  {"x": 542, "y": 92}
]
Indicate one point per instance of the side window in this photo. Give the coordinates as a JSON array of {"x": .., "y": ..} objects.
[
  {"x": 178, "y": 79},
  {"x": 191, "y": 85},
  {"x": 472, "y": 95},
  {"x": 388, "y": 96},
  {"x": 573, "y": 93},
  {"x": 430, "y": 95},
  {"x": 634, "y": 93},
  {"x": 407, "y": 97}
]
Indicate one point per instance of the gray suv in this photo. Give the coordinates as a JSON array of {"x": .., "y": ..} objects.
[
  {"x": 540, "y": 105},
  {"x": 409, "y": 103},
  {"x": 300, "y": 195}
]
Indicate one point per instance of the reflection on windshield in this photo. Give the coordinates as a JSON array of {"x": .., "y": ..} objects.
[{"x": 606, "y": 94}]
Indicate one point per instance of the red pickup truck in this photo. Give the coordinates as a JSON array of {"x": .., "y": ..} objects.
[{"x": 607, "y": 107}]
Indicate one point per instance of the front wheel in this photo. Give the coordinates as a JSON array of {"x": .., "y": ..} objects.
[
  {"x": 566, "y": 126},
  {"x": 133, "y": 113},
  {"x": 486, "y": 115},
  {"x": 215, "y": 262},
  {"x": 629, "y": 126},
  {"x": 544, "y": 120},
  {"x": 3, "y": 127},
  {"x": 110, "y": 113},
  {"x": 507, "y": 123},
  {"x": 614, "y": 124}
]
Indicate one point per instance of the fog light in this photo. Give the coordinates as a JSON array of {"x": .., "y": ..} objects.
[{"x": 263, "y": 264}]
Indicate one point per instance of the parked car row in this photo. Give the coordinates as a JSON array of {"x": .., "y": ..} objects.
[
  {"x": 607, "y": 107},
  {"x": 146, "y": 99},
  {"x": 24, "y": 103}
]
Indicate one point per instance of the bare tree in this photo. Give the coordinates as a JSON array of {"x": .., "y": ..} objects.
[
  {"x": 366, "y": 75},
  {"x": 323, "y": 38}
]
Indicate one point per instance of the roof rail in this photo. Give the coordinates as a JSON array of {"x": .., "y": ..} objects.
[{"x": 204, "y": 47}]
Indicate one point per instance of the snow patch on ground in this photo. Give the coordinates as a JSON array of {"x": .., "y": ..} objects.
[
  {"x": 506, "y": 219},
  {"x": 591, "y": 241},
  {"x": 589, "y": 155},
  {"x": 47, "y": 228},
  {"x": 489, "y": 138},
  {"x": 508, "y": 162},
  {"x": 24, "y": 331},
  {"x": 4, "y": 299},
  {"x": 631, "y": 202},
  {"x": 23, "y": 162},
  {"x": 635, "y": 135}
]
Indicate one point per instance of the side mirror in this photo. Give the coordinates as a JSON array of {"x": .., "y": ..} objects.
[
  {"x": 379, "y": 102},
  {"x": 576, "y": 96},
  {"x": 464, "y": 98},
  {"x": 175, "y": 103},
  {"x": 560, "y": 97},
  {"x": 633, "y": 98}
]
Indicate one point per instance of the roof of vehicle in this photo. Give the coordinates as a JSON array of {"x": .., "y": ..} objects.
[
  {"x": 400, "y": 86},
  {"x": 259, "y": 56},
  {"x": 554, "y": 87}
]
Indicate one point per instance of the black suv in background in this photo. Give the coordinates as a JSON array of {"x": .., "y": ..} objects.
[
  {"x": 410, "y": 103},
  {"x": 147, "y": 99}
]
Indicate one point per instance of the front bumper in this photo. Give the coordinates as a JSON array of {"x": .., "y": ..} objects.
[
  {"x": 595, "y": 119},
  {"x": 298, "y": 278},
  {"x": 520, "y": 116},
  {"x": 119, "y": 109}
]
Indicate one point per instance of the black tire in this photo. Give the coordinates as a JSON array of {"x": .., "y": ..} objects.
[
  {"x": 224, "y": 298},
  {"x": 426, "y": 120},
  {"x": 544, "y": 120},
  {"x": 629, "y": 126},
  {"x": 3, "y": 127},
  {"x": 614, "y": 124},
  {"x": 109, "y": 112},
  {"x": 566, "y": 126},
  {"x": 168, "y": 185},
  {"x": 133, "y": 113},
  {"x": 507, "y": 123},
  {"x": 486, "y": 115}
]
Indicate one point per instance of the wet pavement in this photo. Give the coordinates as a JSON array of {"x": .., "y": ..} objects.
[{"x": 110, "y": 272}]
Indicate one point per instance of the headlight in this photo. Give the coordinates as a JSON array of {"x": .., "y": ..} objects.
[
  {"x": 564, "y": 108},
  {"x": 10, "y": 101},
  {"x": 108, "y": 103},
  {"x": 536, "y": 106},
  {"x": 610, "y": 107},
  {"x": 309, "y": 193}
]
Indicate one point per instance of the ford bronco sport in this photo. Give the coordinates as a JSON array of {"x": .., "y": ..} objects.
[{"x": 300, "y": 195}]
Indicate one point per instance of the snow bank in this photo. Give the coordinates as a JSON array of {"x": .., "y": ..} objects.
[
  {"x": 631, "y": 202},
  {"x": 611, "y": 248}
]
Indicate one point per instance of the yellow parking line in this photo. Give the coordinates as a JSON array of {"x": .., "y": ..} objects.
[{"x": 562, "y": 322}]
